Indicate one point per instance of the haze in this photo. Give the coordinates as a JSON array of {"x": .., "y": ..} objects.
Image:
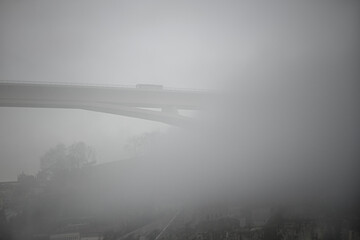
[{"x": 283, "y": 124}]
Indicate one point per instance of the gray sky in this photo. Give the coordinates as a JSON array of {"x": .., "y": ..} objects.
[
  {"x": 180, "y": 44},
  {"x": 121, "y": 42}
]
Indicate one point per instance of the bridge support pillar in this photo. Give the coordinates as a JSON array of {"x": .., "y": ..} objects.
[{"x": 170, "y": 109}]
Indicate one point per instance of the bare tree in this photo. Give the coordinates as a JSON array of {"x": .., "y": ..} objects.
[{"x": 62, "y": 159}]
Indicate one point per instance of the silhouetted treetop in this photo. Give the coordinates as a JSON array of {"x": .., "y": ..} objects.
[{"x": 62, "y": 159}]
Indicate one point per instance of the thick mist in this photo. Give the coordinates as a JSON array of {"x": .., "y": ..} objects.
[
  {"x": 276, "y": 137},
  {"x": 281, "y": 126}
]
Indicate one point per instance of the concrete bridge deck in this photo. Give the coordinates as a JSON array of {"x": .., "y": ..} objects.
[{"x": 115, "y": 100}]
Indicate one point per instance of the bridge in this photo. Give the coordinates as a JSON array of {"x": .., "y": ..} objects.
[{"x": 154, "y": 104}]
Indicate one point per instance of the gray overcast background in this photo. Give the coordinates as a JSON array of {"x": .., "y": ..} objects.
[{"x": 180, "y": 44}]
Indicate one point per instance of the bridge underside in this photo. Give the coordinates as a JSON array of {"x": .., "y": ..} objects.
[{"x": 153, "y": 115}]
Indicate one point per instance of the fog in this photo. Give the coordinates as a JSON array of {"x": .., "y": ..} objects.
[{"x": 281, "y": 128}]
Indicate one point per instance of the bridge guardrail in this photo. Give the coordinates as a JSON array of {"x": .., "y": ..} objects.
[{"x": 100, "y": 85}]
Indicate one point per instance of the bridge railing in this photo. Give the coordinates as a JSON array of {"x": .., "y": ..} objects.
[{"x": 91, "y": 84}]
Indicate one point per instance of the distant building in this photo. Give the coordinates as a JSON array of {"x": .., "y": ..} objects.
[
  {"x": 76, "y": 236},
  {"x": 260, "y": 216},
  {"x": 211, "y": 213},
  {"x": 65, "y": 236},
  {"x": 6, "y": 193}
]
